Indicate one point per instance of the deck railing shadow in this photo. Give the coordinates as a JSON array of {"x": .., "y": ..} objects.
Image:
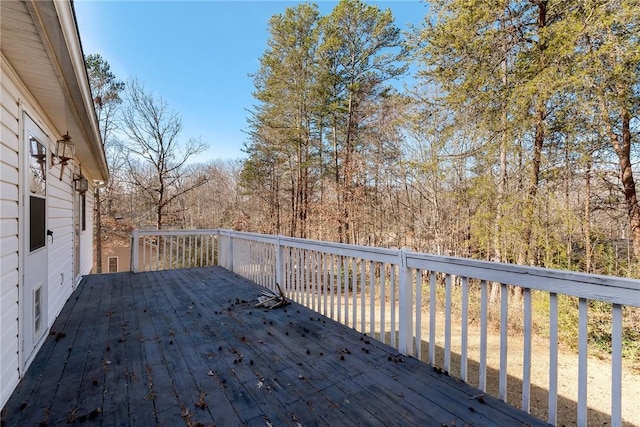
[
  {"x": 386, "y": 293},
  {"x": 567, "y": 408}
]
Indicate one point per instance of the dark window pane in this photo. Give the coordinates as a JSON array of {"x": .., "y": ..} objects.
[
  {"x": 37, "y": 215},
  {"x": 83, "y": 211}
]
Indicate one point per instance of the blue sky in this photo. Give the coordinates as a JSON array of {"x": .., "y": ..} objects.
[{"x": 197, "y": 55}]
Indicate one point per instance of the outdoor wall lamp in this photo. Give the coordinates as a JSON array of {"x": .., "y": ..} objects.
[
  {"x": 81, "y": 183},
  {"x": 64, "y": 153}
]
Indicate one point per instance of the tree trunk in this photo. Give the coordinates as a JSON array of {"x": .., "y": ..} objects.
[
  {"x": 622, "y": 146},
  {"x": 587, "y": 217},
  {"x": 528, "y": 254},
  {"x": 338, "y": 184},
  {"x": 348, "y": 173}
]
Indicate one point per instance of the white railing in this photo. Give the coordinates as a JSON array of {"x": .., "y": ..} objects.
[
  {"x": 385, "y": 292},
  {"x": 153, "y": 250}
]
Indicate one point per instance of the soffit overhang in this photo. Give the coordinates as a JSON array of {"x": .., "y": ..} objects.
[{"x": 40, "y": 41}]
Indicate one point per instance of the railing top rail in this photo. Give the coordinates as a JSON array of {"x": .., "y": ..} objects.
[
  {"x": 363, "y": 252},
  {"x": 141, "y": 232},
  {"x": 612, "y": 289}
]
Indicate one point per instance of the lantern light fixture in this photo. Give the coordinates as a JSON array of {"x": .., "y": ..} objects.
[
  {"x": 81, "y": 183},
  {"x": 65, "y": 151}
]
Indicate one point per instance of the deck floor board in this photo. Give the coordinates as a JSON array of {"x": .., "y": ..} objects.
[{"x": 188, "y": 347}]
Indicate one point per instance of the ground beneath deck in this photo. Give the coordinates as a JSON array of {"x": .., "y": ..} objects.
[{"x": 188, "y": 347}]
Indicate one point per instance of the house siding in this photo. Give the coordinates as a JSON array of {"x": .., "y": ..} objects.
[
  {"x": 60, "y": 215},
  {"x": 15, "y": 100},
  {"x": 9, "y": 235}
]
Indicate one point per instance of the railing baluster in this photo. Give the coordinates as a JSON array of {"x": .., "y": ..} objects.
[
  {"x": 192, "y": 251},
  {"x": 325, "y": 292},
  {"x": 171, "y": 239},
  {"x": 292, "y": 273},
  {"x": 526, "y": 362},
  {"x": 354, "y": 292},
  {"x": 332, "y": 285},
  {"x": 447, "y": 322},
  {"x": 432, "y": 317},
  {"x": 465, "y": 329},
  {"x": 482, "y": 380},
  {"x": 183, "y": 251},
  {"x": 251, "y": 255},
  {"x": 392, "y": 305},
  {"x": 504, "y": 324},
  {"x": 258, "y": 261},
  {"x": 582, "y": 362},
  {"x": 193, "y": 262},
  {"x": 209, "y": 256},
  {"x": 314, "y": 281},
  {"x": 263, "y": 266},
  {"x": 346, "y": 283},
  {"x": 553, "y": 359},
  {"x": 405, "y": 306},
  {"x": 254, "y": 257},
  {"x": 317, "y": 282},
  {"x": 144, "y": 253},
  {"x": 418, "y": 311},
  {"x": 207, "y": 242},
  {"x": 372, "y": 299},
  {"x": 616, "y": 366},
  {"x": 299, "y": 274},
  {"x": 363, "y": 287},
  {"x": 164, "y": 253},
  {"x": 288, "y": 273},
  {"x": 383, "y": 296},
  {"x": 307, "y": 276},
  {"x": 135, "y": 251}
]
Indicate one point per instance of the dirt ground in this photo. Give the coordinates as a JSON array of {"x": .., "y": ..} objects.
[{"x": 599, "y": 371}]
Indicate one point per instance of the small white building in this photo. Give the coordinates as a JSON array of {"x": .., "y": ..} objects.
[{"x": 46, "y": 196}]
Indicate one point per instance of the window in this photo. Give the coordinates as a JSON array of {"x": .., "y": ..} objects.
[
  {"x": 37, "y": 310},
  {"x": 37, "y": 196},
  {"x": 38, "y": 167},
  {"x": 83, "y": 211},
  {"x": 113, "y": 264},
  {"x": 37, "y": 223}
]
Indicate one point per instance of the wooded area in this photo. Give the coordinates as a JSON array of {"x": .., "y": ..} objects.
[{"x": 502, "y": 131}]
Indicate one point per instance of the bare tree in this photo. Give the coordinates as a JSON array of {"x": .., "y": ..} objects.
[{"x": 156, "y": 159}]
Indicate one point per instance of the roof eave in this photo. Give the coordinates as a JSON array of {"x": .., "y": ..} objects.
[{"x": 58, "y": 19}]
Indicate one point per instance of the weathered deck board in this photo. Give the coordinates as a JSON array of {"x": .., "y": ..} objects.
[{"x": 187, "y": 347}]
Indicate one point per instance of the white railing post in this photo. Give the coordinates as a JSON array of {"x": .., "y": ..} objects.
[
  {"x": 279, "y": 263},
  {"x": 230, "y": 254},
  {"x": 405, "y": 333},
  {"x": 135, "y": 246}
]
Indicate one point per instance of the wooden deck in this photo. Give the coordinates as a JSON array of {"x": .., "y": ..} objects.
[{"x": 187, "y": 347}]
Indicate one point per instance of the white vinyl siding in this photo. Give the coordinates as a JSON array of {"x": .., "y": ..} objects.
[
  {"x": 61, "y": 279},
  {"x": 60, "y": 216},
  {"x": 9, "y": 232}
]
